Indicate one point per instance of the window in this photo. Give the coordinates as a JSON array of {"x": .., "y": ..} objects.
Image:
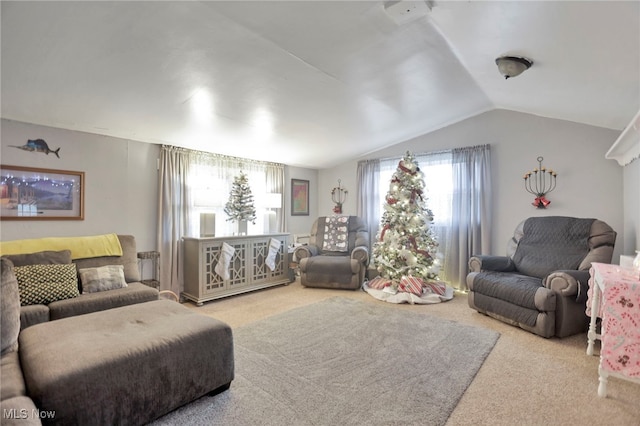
[
  {"x": 210, "y": 191},
  {"x": 208, "y": 183}
]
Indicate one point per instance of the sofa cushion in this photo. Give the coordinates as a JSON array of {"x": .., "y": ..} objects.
[
  {"x": 552, "y": 243},
  {"x": 32, "y": 315},
  {"x": 108, "y": 277},
  {"x": 327, "y": 269},
  {"x": 9, "y": 307},
  {"x": 43, "y": 284},
  {"x": 11, "y": 378},
  {"x": 40, "y": 258},
  {"x": 516, "y": 289},
  {"x": 93, "y": 302},
  {"x": 19, "y": 411}
]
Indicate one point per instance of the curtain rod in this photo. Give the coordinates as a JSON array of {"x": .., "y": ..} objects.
[
  {"x": 442, "y": 151},
  {"x": 221, "y": 156}
]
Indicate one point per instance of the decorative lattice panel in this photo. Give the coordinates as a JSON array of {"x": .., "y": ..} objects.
[
  {"x": 260, "y": 253},
  {"x": 260, "y": 270},
  {"x": 212, "y": 281},
  {"x": 237, "y": 267}
]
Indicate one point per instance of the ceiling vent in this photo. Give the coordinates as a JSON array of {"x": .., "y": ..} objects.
[{"x": 402, "y": 12}]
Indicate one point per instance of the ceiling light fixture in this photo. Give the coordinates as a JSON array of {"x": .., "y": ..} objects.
[{"x": 512, "y": 66}]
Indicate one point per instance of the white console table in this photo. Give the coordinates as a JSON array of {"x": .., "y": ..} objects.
[
  {"x": 248, "y": 270},
  {"x": 614, "y": 296}
]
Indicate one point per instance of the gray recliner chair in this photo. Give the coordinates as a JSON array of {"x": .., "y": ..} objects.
[
  {"x": 541, "y": 285},
  {"x": 337, "y": 255}
]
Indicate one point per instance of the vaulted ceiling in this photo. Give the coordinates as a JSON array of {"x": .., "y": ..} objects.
[{"x": 308, "y": 83}]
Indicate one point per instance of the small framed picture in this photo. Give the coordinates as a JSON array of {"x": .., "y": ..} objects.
[
  {"x": 28, "y": 193},
  {"x": 299, "y": 197}
]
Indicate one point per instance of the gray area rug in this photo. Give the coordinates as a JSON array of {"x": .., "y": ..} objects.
[{"x": 345, "y": 362}]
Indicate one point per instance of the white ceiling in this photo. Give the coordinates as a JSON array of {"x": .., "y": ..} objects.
[{"x": 310, "y": 84}]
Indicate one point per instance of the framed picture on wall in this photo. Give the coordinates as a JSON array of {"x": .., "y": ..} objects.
[
  {"x": 299, "y": 197},
  {"x": 28, "y": 193}
]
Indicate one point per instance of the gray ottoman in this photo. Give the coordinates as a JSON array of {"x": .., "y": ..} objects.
[{"x": 127, "y": 365}]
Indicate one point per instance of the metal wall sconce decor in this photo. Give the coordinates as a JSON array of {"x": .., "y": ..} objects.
[
  {"x": 540, "y": 182},
  {"x": 338, "y": 196}
]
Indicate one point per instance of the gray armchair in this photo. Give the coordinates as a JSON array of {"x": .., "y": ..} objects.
[
  {"x": 541, "y": 285},
  {"x": 337, "y": 255}
]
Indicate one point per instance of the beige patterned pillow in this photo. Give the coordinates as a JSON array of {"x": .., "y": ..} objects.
[
  {"x": 336, "y": 234},
  {"x": 43, "y": 284},
  {"x": 102, "y": 278}
]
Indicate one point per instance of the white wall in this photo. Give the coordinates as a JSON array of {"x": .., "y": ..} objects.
[
  {"x": 120, "y": 182},
  {"x": 301, "y": 224},
  {"x": 588, "y": 185},
  {"x": 631, "y": 178}
]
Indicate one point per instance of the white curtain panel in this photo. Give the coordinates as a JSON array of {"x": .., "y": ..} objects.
[{"x": 173, "y": 219}]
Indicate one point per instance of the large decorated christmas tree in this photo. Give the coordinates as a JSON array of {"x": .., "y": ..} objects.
[
  {"x": 240, "y": 206},
  {"x": 405, "y": 251}
]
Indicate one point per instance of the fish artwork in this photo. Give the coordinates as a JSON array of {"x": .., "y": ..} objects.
[{"x": 37, "y": 145}]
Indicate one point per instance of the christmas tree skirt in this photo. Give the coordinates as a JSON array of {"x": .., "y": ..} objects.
[{"x": 406, "y": 297}]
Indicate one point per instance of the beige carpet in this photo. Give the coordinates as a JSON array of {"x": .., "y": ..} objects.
[{"x": 525, "y": 380}]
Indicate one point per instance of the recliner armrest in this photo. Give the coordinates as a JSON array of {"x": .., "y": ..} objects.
[
  {"x": 361, "y": 254},
  {"x": 480, "y": 263},
  {"x": 569, "y": 283},
  {"x": 305, "y": 251}
]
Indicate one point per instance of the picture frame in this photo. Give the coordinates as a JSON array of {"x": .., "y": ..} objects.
[
  {"x": 299, "y": 197},
  {"x": 29, "y": 193}
]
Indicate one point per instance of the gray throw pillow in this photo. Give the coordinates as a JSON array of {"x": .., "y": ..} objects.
[
  {"x": 9, "y": 307},
  {"x": 40, "y": 258},
  {"x": 108, "y": 277}
]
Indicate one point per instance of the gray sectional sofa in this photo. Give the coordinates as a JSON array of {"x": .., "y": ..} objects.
[
  {"x": 135, "y": 292},
  {"x": 74, "y": 360}
]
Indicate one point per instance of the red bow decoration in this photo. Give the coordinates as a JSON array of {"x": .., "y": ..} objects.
[
  {"x": 404, "y": 169},
  {"x": 541, "y": 202},
  {"x": 414, "y": 193}
]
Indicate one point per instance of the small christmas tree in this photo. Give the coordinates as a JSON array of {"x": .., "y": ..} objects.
[
  {"x": 240, "y": 205},
  {"x": 405, "y": 250}
]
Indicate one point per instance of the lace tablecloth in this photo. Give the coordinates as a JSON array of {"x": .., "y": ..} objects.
[{"x": 620, "y": 313}]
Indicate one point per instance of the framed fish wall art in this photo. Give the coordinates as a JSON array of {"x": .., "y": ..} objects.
[{"x": 28, "y": 193}]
